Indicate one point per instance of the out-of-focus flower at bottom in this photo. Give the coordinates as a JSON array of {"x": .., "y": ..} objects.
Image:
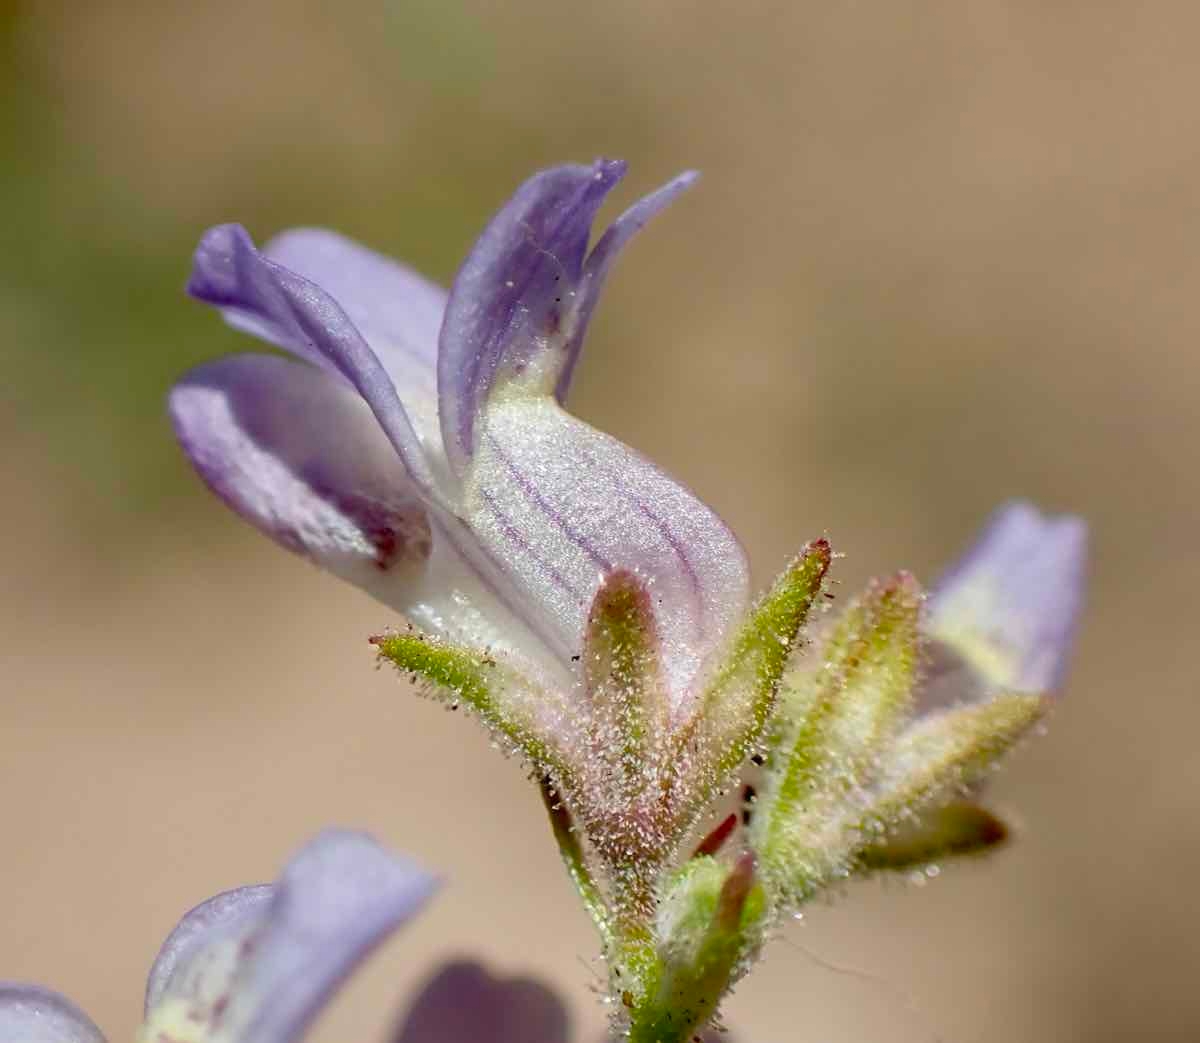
[
  {"x": 463, "y": 1002},
  {"x": 256, "y": 964}
]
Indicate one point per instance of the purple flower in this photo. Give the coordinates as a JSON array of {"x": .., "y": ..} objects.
[
  {"x": 417, "y": 445},
  {"x": 594, "y": 613},
  {"x": 257, "y": 964}
]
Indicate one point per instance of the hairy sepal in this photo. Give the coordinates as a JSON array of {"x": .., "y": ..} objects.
[
  {"x": 621, "y": 779},
  {"x": 944, "y": 755},
  {"x": 835, "y": 722},
  {"x": 522, "y": 716},
  {"x": 731, "y": 716},
  {"x": 707, "y": 925},
  {"x": 956, "y": 830},
  {"x": 626, "y": 695}
]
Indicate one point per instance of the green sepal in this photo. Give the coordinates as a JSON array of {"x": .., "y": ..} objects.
[
  {"x": 708, "y": 924},
  {"x": 947, "y": 753},
  {"x": 504, "y": 700},
  {"x": 955, "y": 830},
  {"x": 835, "y": 722},
  {"x": 732, "y": 714}
]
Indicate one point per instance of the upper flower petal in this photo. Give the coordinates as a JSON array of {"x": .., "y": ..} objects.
[
  {"x": 299, "y": 455},
  {"x": 508, "y": 300},
  {"x": 562, "y": 504},
  {"x": 259, "y": 295},
  {"x": 601, "y": 259},
  {"x": 1003, "y": 618},
  {"x": 257, "y": 965},
  {"x": 463, "y": 1003},
  {"x": 33, "y": 1014},
  {"x": 524, "y": 295}
]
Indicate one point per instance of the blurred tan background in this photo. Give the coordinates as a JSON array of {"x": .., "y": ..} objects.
[{"x": 943, "y": 254}]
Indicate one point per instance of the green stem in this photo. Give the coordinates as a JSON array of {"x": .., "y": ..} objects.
[{"x": 577, "y": 869}]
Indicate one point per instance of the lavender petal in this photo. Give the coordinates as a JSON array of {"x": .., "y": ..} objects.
[
  {"x": 463, "y": 1003},
  {"x": 1003, "y": 618},
  {"x": 229, "y": 914},
  {"x": 262, "y": 297},
  {"x": 514, "y": 295},
  {"x": 397, "y": 311},
  {"x": 34, "y": 1014},
  {"x": 297, "y": 454},
  {"x": 260, "y": 970}
]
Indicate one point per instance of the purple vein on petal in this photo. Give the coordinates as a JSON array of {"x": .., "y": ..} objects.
[
  {"x": 689, "y": 568},
  {"x": 548, "y": 511},
  {"x": 513, "y": 533}
]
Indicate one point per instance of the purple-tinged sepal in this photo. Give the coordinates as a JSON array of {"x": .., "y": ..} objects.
[
  {"x": 614, "y": 794},
  {"x": 622, "y": 668},
  {"x": 258, "y": 964},
  {"x": 1003, "y": 618},
  {"x": 33, "y": 1014},
  {"x": 621, "y": 776}
]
